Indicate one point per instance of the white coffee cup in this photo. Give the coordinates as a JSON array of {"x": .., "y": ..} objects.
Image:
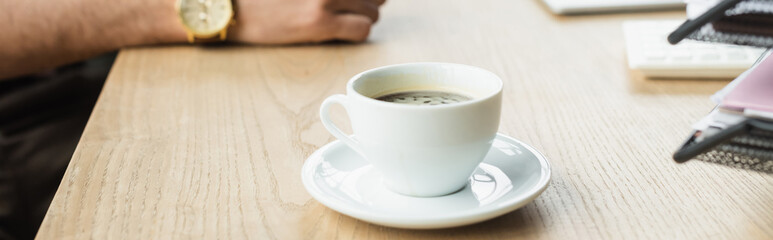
[{"x": 420, "y": 150}]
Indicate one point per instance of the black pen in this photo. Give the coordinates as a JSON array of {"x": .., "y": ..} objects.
[{"x": 711, "y": 15}]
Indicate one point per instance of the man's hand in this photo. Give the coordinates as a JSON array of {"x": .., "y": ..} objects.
[
  {"x": 299, "y": 21},
  {"x": 39, "y": 35}
]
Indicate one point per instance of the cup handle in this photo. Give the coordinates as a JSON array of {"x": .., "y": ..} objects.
[{"x": 324, "y": 115}]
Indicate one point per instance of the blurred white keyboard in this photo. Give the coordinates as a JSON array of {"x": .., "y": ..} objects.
[
  {"x": 594, "y": 6},
  {"x": 649, "y": 52}
]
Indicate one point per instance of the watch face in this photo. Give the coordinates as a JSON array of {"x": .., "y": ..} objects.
[{"x": 205, "y": 17}]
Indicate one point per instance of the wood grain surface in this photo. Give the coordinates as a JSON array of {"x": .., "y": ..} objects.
[{"x": 207, "y": 143}]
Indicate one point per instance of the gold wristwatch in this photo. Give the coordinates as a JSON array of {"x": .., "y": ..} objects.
[{"x": 206, "y": 20}]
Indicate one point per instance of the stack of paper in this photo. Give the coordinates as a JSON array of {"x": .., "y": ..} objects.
[
  {"x": 756, "y": 92},
  {"x": 695, "y": 8}
]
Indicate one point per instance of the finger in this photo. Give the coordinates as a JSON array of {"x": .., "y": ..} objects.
[
  {"x": 352, "y": 27},
  {"x": 363, "y": 7}
]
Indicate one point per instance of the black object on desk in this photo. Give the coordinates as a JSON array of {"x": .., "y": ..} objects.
[
  {"x": 747, "y": 145},
  {"x": 741, "y": 22},
  {"x": 690, "y": 26}
]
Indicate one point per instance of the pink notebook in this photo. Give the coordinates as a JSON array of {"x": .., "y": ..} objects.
[{"x": 755, "y": 92}]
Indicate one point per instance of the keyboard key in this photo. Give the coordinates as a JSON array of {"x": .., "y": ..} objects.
[
  {"x": 710, "y": 57},
  {"x": 737, "y": 56},
  {"x": 682, "y": 56},
  {"x": 655, "y": 56}
]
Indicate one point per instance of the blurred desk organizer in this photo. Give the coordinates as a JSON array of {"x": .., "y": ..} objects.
[
  {"x": 739, "y": 132},
  {"x": 741, "y": 22}
]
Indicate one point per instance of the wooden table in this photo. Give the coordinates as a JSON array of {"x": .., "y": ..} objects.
[{"x": 205, "y": 143}]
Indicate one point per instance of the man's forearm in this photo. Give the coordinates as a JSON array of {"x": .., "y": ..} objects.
[{"x": 41, "y": 34}]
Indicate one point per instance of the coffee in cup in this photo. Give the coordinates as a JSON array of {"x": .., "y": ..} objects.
[{"x": 424, "y": 97}]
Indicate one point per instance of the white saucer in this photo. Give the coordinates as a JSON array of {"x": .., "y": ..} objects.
[{"x": 512, "y": 175}]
